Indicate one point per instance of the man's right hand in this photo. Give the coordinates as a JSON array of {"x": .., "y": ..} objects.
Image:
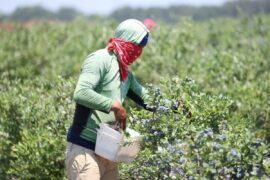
[{"x": 120, "y": 114}]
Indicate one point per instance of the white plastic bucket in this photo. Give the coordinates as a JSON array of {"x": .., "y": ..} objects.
[
  {"x": 108, "y": 141},
  {"x": 130, "y": 147},
  {"x": 112, "y": 145}
]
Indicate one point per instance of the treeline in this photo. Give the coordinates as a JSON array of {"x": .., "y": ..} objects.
[
  {"x": 38, "y": 12},
  {"x": 170, "y": 14}
]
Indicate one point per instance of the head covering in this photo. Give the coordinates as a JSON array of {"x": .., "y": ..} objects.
[
  {"x": 129, "y": 38},
  {"x": 144, "y": 40}
]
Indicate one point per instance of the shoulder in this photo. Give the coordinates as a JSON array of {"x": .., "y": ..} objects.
[
  {"x": 100, "y": 57},
  {"x": 101, "y": 54}
]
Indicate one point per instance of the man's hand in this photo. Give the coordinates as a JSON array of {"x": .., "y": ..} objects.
[
  {"x": 120, "y": 114},
  {"x": 185, "y": 109}
]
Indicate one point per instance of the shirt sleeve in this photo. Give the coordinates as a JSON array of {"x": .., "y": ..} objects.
[
  {"x": 92, "y": 72},
  {"x": 137, "y": 92}
]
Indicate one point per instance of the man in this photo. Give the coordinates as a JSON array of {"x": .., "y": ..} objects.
[{"x": 103, "y": 84}]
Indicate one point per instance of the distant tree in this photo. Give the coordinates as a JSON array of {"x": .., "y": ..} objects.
[
  {"x": 172, "y": 14},
  {"x": 250, "y": 7},
  {"x": 28, "y": 13},
  {"x": 3, "y": 17},
  {"x": 67, "y": 14},
  {"x": 169, "y": 15}
]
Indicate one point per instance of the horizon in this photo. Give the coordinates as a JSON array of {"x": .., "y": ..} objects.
[{"x": 85, "y": 7}]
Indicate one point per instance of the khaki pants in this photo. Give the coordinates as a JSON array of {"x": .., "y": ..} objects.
[{"x": 83, "y": 164}]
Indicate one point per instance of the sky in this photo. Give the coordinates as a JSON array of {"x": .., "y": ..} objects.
[{"x": 102, "y": 7}]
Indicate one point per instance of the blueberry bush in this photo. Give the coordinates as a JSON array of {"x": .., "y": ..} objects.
[
  {"x": 203, "y": 145},
  {"x": 33, "y": 137},
  {"x": 209, "y": 83}
]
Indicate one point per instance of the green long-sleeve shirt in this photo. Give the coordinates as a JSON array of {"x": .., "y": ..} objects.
[{"x": 98, "y": 86}]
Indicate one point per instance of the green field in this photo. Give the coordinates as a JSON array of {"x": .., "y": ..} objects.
[{"x": 219, "y": 68}]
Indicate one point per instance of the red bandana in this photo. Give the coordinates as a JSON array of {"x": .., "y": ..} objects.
[{"x": 126, "y": 53}]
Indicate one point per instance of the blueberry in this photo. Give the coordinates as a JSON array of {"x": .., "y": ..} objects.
[
  {"x": 201, "y": 134},
  {"x": 210, "y": 133},
  {"x": 160, "y": 134},
  {"x": 196, "y": 159},
  {"x": 181, "y": 161},
  {"x": 233, "y": 153},
  {"x": 256, "y": 144},
  {"x": 212, "y": 163},
  {"x": 194, "y": 146},
  {"x": 151, "y": 131},
  {"x": 207, "y": 130},
  {"x": 43, "y": 158},
  {"x": 216, "y": 146},
  {"x": 162, "y": 108},
  {"x": 147, "y": 139},
  {"x": 149, "y": 106},
  {"x": 189, "y": 79},
  {"x": 143, "y": 121},
  {"x": 180, "y": 152},
  {"x": 239, "y": 175},
  {"x": 239, "y": 172},
  {"x": 146, "y": 164},
  {"x": 153, "y": 119},
  {"x": 157, "y": 92},
  {"x": 172, "y": 150},
  {"x": 221, "y": 137}
]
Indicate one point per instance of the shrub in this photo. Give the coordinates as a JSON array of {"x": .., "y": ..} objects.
[
  {"x": 205, "y": 145},
  {"x": 33, "y": 125}
]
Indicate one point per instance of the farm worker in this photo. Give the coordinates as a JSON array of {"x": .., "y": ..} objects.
[
  {"x": 149, "y": 23},
  {"x": 103, "y": 84}
]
